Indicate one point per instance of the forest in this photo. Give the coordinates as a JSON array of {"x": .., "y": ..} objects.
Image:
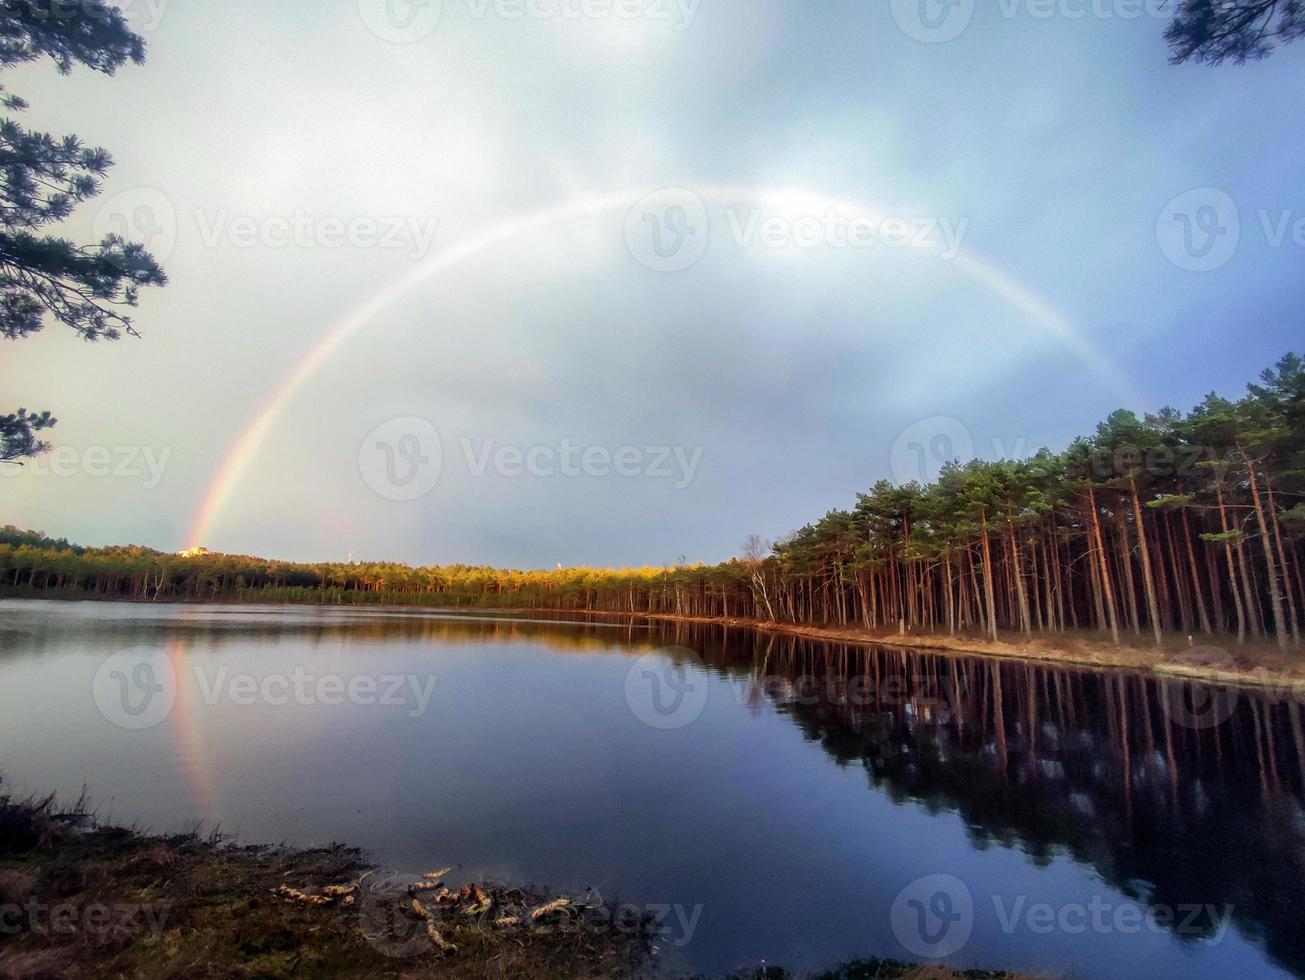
[{"x": 1172, "y": 523}]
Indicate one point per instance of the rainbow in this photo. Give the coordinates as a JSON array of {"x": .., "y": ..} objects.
[
  {"x": 247, "y": 444},
  {"x": 188, "y": 729}
]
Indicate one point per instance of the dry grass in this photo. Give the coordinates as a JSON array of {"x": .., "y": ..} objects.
[
  {"x": 1219, "y": 659},
  {"x": 185, "y": 907}
]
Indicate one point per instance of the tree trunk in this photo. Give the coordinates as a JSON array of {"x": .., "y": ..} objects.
[
  {"x": 1270, "y": 565},
  {"x": 1148, "y": 582}
]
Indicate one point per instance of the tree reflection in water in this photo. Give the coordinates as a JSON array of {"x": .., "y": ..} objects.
[{"x": 1174, "y": 792}]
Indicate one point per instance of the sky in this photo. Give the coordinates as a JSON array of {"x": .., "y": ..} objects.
[{"x": 620, "y": 282}]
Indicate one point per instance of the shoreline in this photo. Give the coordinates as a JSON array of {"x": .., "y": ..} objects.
[
  {"x": 1272, "y": 671},
  {"x": 83, "y": 899},
  {"x": 1259, "y": 666}
]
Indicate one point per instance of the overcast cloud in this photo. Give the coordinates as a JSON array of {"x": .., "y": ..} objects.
[{"x": 312, "y": 160}]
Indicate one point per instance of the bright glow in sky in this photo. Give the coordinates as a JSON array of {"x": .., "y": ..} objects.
[{"x": 777, "y": 364}]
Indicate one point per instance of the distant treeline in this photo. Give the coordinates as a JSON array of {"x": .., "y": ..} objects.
[{"x": 1173, "y": 522}]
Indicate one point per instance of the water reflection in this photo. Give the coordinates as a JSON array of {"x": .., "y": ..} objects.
[
  {"x": 29, "y": 629},
  {"x": 1175, "y": 793},
  {"x": 533, "y": 765}
]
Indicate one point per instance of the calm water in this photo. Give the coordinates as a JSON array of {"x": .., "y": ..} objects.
[{"x": 793, "y": 802}]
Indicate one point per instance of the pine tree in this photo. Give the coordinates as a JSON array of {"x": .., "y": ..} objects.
[{"x": 42, "y": 179}]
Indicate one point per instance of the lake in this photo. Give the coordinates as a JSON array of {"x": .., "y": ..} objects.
[{"x": 766, "y": 798}]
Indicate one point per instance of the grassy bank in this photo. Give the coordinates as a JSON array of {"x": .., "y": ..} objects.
[
  {"x": 78, "y": 899},
  {"x": 81, "y": 900},
  {"x": 1215, "y": 659}
]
